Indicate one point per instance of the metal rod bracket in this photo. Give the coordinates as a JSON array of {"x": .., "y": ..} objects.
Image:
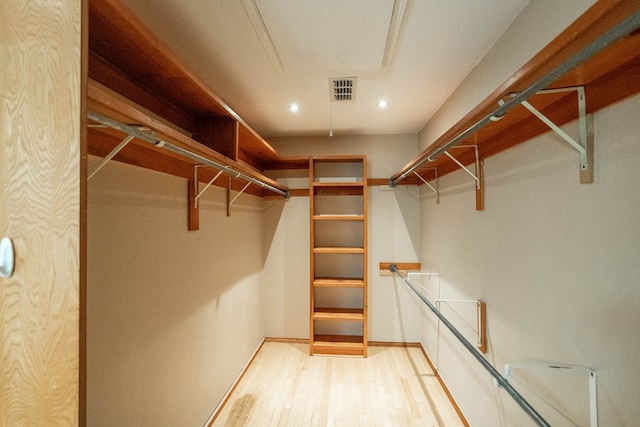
[
  {"x": 593, "y": 398},
  {"x": 437, "y": 184},
  {"x": 536, "y": 417},
  {"x": 475, "y": 175},
  {"x": 109, "y": 156},
  {"x": 582, "y": 145},
  {"x": 239, "y": 193},
  {"x": 196, "y": 184}
]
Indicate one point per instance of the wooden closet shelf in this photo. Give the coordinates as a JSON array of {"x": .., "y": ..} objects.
[
  {"x": 339, "y": 282},
  {"x": 348, "y": 345},
  {"x": 338, "y": 250},
  {"x": 338, "y": 190},
  {"x": 339, "y": 184},
  {"x": 102, "y": 140},
  {"x": 331, "y": 313},
  {"x": 127, "y": 58},
  {"x": 608, "y": 77},
  {"x": 338, "y": 217}
]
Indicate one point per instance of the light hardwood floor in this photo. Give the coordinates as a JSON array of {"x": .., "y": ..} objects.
[{"x": 284, "y": 386}]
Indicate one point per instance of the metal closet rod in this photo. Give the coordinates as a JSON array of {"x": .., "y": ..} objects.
[
  {"x": 622, "y": 29},
  {"x": 181, "y": 151},
  {"x": 502, "y": 382}
]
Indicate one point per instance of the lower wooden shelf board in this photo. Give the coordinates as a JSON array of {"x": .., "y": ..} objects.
[
  {"x": 344, "y": 345},
  {"x": 325, "y": 313},
  {"x": 338, "y": 282}
]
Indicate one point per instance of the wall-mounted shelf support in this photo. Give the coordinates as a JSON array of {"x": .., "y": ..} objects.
[
  {"x": 239, "y": 193},
  {"x": 481, "y": 319},
  {"x": 463, "y": 167},
  {"x": 478, "y": 175},
  {"x": 193, "y": 195},
  {"x": 229, "y": 199},
  {"x": 196, "y": 184},
  {"x": 109, "y": 156},
  {"x": 412, "y": 274},
  {"x": 584, "y": 144},
  {"x": 92, "y": 115},
  {"x": 517, "y": 397},
  {"x": 434, "y": 189},
  {"x": 193, "y": 192},
  {"x": 593, "y": 395},
  {"x": 579, "y": 57}
]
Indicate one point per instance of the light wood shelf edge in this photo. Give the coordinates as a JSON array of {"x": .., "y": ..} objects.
[
  {"x": 599, "y": 18},
  {"x": 105, "y": 101}
]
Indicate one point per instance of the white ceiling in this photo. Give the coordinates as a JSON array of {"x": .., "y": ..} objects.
[{"x": 262, "y": 55}]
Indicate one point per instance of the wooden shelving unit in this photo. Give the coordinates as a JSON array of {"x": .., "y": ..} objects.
[
  {"x": 338, "y": 222},
  {"x": 135, "y": 78}
]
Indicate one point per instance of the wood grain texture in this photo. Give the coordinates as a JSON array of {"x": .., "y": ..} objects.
[
  {"x": 40, "y": 194},
  {"x": 131, "y": 60},
  {"x": 105, "y": 101},
  {"x": 284, "y": 386},
  {"x": 402, "y": 266},
  {"x": 338, "y": 241}
]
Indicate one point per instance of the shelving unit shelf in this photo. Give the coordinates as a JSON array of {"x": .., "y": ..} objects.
[{"x": 338, "y": 252}]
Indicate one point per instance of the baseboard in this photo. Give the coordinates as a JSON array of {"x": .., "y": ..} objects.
[
  {"x": 227, "y": 395},
  {"x": 370, "y": 343},
  {"x": 394, "y": 344},
  {"x": 287, "y": 340},
  {"x": 229, "y": 392},
  {"x": 445, "y": 388}
]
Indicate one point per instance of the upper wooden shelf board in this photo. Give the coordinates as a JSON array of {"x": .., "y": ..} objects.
[
  {"x": 127, "y": 58},
  {"x": 608, "y": 72},
  {"x": 179, "y": 161}
]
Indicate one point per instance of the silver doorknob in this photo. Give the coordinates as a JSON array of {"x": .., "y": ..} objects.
[{"x": 7, "y": 258}]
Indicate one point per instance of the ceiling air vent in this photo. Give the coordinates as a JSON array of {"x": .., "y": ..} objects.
[{"x": 343, "y": 88}]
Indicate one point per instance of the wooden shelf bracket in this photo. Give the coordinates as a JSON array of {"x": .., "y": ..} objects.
[
  {"x": 481, "y": 320},
  {"x": 584, "y": 144}
]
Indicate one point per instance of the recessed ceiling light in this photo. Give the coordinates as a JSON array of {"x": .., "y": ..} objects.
[
  {"x": 294, "y": 108},
  {"x": 382, "y": 103}
]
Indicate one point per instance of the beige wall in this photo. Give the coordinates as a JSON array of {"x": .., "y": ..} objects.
[
  {"x": 173, "y": 315},
  {"x": 393, "y": 236},
  {"x": 556, "y": 261},
  {"x": 533, "y": 29}
]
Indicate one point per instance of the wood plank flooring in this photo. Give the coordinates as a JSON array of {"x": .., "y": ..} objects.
[{"x": 284, "y": 386}]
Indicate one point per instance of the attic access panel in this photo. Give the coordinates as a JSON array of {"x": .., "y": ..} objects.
[{"x": 324, "y": 36}]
